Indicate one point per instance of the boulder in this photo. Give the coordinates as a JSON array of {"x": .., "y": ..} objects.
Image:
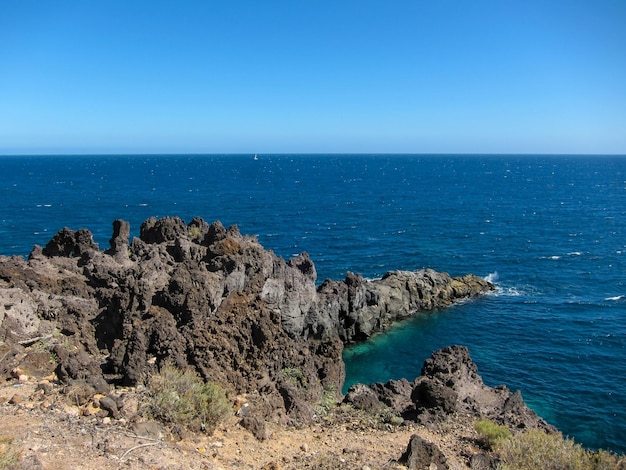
[
  {"x": 395, "y": 394},
  {"x": 108, "y": 404},
  {"x": 421, "y": 454},
  {"x": 256, "y": 426},
  {"x": 434, "y": 395},
  {"x": 363, "y": 398}
]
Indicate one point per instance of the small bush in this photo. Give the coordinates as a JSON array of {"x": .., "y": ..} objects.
[
  {"x": 328, "y": 400},
  {"x": 294, "y": 375},
  {"x": 491, "y": 432},
  {"x": 194, "y": 232},
  {"x": 9, "y": 454},
  {"x": 179, "y": 397},
  {"x": 603, "y": 459},
  {"x": 535, "y": 449}
]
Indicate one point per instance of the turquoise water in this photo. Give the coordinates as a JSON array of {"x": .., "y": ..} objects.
[{"x": 550, "y": 231}]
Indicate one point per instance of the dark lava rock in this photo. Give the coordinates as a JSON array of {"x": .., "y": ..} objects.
[
  {"x": 256, "y": 426},
  {"x": 119, "y": 240},
  {"x": 70, "y": 244},
  {"x": 363, "y": 398},
  {"x": 431, "y": 394},
  {"x": 108, "y": 404},
  {"x": 449, "y": 384},
  {"x": 421, "y": 454},
  {"x": 396, "y": 394},
  {"x": 162, "y": 230}
]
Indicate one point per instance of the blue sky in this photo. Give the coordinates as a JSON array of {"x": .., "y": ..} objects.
[{"x": 455, "y": 76}]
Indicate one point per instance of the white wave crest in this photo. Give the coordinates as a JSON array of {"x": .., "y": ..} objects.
[
  {"x": 492, "y": 277},
  {"x": 502, "y": 291},
  {"x": 507, "y": 292},
  {"x": 616, "y": 298},
  {"x": 553, "y": 257}
]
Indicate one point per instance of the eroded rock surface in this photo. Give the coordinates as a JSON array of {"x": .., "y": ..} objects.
[{"x": 205, "y": 296}]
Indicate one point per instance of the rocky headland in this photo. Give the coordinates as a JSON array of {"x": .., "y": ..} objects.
[{"x": 100, "y": 323}]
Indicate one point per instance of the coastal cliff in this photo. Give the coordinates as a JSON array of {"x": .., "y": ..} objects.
[{"x": 204, "y": 296}]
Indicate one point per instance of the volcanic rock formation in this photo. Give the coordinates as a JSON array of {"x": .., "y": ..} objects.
[
  {"x": 449, "y": 384},
  {"x": 205, "y": 296}
]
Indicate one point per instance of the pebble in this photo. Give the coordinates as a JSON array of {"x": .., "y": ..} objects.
[
  {"x": 148, "y": 429},
  {"x": 44, "y": 386},
  {"x": 96, "y": 399},
  {"x": 16, "y": 400},
  {"x": 108, "y": 404},
  {"x": 304, "y": 447},
  {"x": 72, "y": 410},
  {"x": 87, "y": 411}
]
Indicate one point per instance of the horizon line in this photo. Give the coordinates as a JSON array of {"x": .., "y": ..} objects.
[{"x": 240, "y": 154}]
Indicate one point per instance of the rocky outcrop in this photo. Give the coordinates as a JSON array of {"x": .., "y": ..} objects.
[
  {"x": 449, "y": 385},
  {"x": 448, "y": 389},
  {"x": 357, "y": 308},
  {"x": 208, "y": 297}
]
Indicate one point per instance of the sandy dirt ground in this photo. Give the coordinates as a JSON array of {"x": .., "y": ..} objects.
[{"x": 46, "y": 432}]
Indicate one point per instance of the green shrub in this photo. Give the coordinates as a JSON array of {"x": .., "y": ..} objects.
[
  {"x": 180, "y": 398},
  {"x": 194, "y": 232},
  {"x": 491, "y": 432},
  {"x": 328, "y": 399},
  {"x": 603, "y": 459},
  {"x": 294, "y": 375},
  {"x": 535, "y": 449}
]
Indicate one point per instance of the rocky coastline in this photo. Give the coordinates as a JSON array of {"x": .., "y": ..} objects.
[{"x": 206, "y": 297}]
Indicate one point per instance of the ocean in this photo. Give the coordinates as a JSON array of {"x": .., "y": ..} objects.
[{"x": 549, "y": 231}]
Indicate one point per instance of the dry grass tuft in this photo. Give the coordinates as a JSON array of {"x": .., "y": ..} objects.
[
  {"x": 535, "y": 449},
  {"x": 180, "y": 398},
  {"x": 9, "y": 453}
]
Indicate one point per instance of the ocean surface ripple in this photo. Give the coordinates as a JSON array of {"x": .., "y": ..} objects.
[{"x": 549, "y": 231}]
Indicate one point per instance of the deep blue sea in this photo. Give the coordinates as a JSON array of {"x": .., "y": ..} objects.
[{"x": 549, "y": 231}]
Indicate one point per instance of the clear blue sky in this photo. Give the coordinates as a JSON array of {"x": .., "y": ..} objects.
[{"x": 124, "y": 76}]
